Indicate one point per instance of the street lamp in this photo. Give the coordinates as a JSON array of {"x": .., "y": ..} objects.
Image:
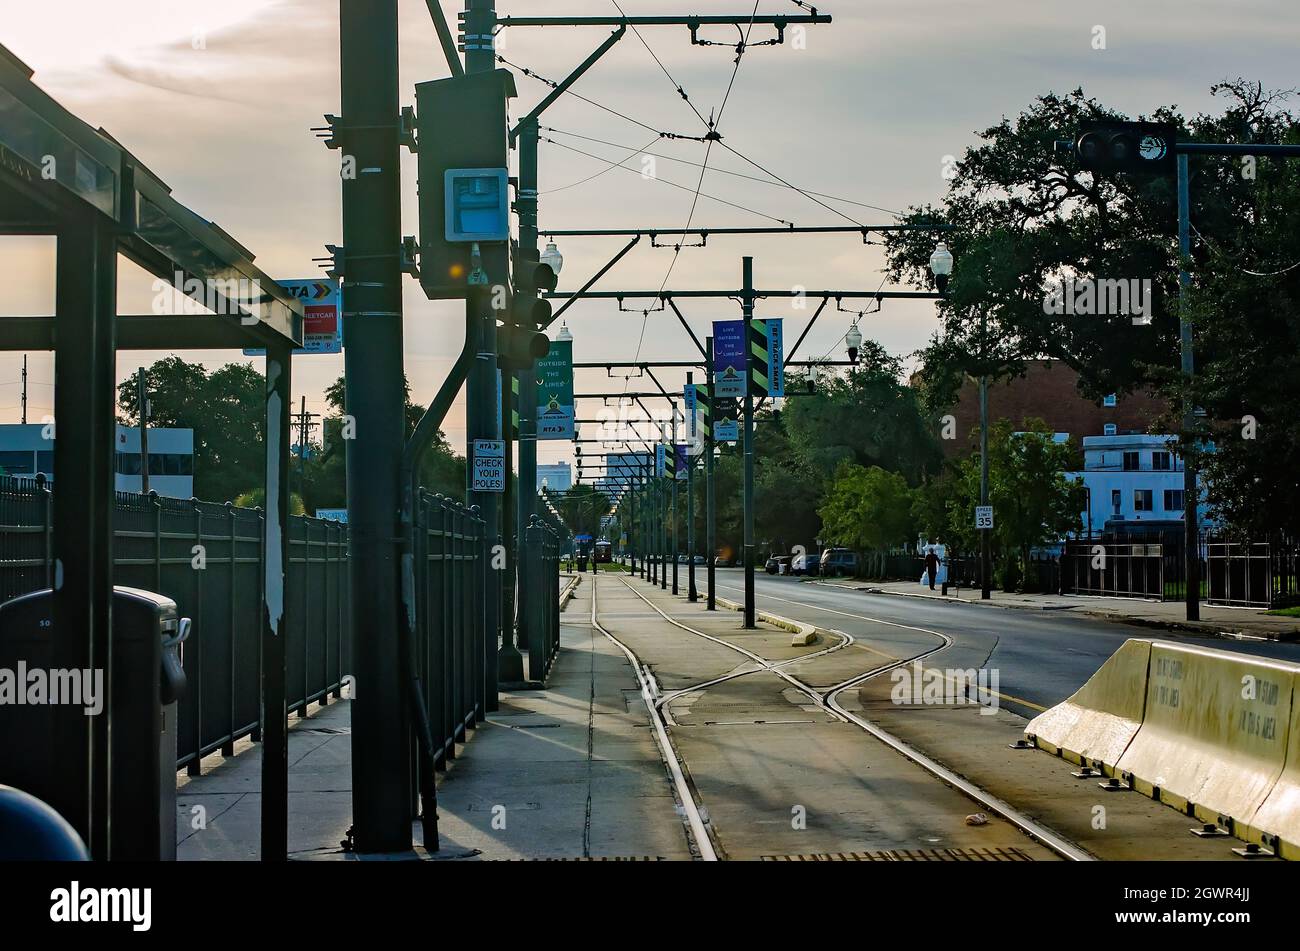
[
  {"x": 564, "y": 333},
  {"x": 811, "y": 379},
  {"x": 553, "y": 258},
  {"x": 941, "y": 266},
  {"x": 853, "y": 341}
]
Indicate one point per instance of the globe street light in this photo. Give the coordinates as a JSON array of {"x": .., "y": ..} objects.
[
  {"x": 553, "y": 258},
  {"x": 853, "y": 342},
  {"x": 941, "y": 266}
]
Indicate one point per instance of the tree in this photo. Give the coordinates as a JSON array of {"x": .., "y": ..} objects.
[
  {"x": 868, "y": 509},
  {"x": 1033, "y": 501},
  {"x": 867, "y": 417},
  {"x": 1026, "y": 217},
  {"x": 582, "y": 508},
  {"x": 226, "y": 410}
]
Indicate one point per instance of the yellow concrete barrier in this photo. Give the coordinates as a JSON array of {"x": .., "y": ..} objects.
[
  {"x": 1213, "y": 739},
  {"x": 1095, "y": 726},
  {"x": 1279, "y": 816}
]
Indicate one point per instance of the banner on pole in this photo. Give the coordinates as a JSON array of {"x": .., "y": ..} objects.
[
  {"x": 322, "y": 316},
  {"x": 726, "y": 421},
  {"x": 661, "y": 459},
  {"x": 730, "y": 361},
  {"x": 682, "y": 461},
  {"x": 555, "y": 414},
  {"x": 776, "y": 358}
]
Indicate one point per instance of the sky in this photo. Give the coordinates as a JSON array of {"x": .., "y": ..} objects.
[{"x": 218, "y": 100}]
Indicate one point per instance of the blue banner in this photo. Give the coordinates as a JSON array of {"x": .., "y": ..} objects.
[
  {"x": 682, "y": 461},
  {"x": 661, "y": 459},
  {"x": 690, "y": 402},
  {"x": 730, "y": 358},
  {"x": 775, "y": 359}
]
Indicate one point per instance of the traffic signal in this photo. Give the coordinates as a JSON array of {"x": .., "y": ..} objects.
[
  {"x": 1134, "y": 148},
  {"x": 463, "y": 180},
  {"x": 519, "y": 348}
]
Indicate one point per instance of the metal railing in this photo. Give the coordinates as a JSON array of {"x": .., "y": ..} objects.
[
  {"x": 208, "y": 558},
  {"x": 1251, "y": 574},
  {"x": 451, "y": 644},
  {"x": 539, "y": 628},
  {"x": 1116, "y": 570}
]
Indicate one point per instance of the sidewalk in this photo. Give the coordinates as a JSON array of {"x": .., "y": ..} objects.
[
  {"x": 1166, "y": 615},
  {"x": 571, "y": 771}
]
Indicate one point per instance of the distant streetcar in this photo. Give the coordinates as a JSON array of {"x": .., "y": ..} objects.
[{"x": 604, "y": 553}]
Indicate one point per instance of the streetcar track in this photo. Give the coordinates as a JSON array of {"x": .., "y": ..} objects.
[
  {"x": 685, "y": 795},
  {"x": 829, "y": 702}
]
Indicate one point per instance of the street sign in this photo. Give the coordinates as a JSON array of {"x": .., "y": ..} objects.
[
  {"x": 730, "y": 358},
  {"x": 333, "y": 515},
  {"x": 322, "y": 323},
  {"x": 983, "y": 516},
  {"x": 555, "y": 414},
  {"x": 489, "y": 466}
]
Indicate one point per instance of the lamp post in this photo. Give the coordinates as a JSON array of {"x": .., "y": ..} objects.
[{"x": 941, "y": 263}]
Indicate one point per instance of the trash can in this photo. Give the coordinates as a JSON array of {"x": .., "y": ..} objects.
[{"x": 148, "y": 679}]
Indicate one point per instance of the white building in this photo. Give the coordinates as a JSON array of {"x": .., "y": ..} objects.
[
  {"x": 1134, "y": 482},
  {"x": 25, "y": 451},
  {"x": 557, "y": 477}
]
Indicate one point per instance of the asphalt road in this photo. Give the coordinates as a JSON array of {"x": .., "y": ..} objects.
[{"x": 1041, "y": 657}]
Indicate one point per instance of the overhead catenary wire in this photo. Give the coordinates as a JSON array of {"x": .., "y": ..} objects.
[
  {"x": 724, "y": 171},
  {"x": 676, "y": 85}
]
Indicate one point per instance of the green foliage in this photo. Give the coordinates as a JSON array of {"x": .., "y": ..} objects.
[
  {"x": 581, "y": 507},
  {"x": 256, "y": 499},
  {"x": 868, "y": 509},
  {"x": 1026, "y": 216},
  {"x": 225, "y": 408}
]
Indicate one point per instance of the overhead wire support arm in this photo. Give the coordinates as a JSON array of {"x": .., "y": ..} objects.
[
  {"x": 687, "y": 21},
  {"x": 563, "y": 86},
  {"x": 722, "y": 294},
  {"x": 655, "y": 233},
  {"x": 445, "y": 38},
  {"x": 681, "y": 317},
  {"x": 583, "y": 291}
]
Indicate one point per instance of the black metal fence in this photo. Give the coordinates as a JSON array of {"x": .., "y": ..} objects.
[
  {"x": 1116, "y": 569},
  {"x": 451, "y": 642},
  {"x": 540, "y": 633},
  {"x": 208, "y": 558},
  {"x": 1252, "y": 574}
]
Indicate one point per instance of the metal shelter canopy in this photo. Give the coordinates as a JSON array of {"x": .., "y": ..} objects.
[
  {"x": 53, "y": 164},
  {"x": 60, "y": 177}
]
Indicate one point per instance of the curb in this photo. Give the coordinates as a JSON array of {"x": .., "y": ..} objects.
[
  {"x": 567, "y": 594},
  {"x": 803, "y": 634},
  {"x": 1191, "y": 627}
]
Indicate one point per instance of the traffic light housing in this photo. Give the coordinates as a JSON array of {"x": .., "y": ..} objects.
[
  {"x": 519, "y": 343},
  {"x": 1132, "y": 148},
  {"x": 463, "y": 156},
  {"x": 519, "y": 348}
]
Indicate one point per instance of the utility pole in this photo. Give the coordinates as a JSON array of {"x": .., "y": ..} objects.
[
  {"x": 747, "y": 307},
  {"x": 305, "y": 426},
  {"x": 142, "y": 411},
  {"x": 986, "y": 560},
  {"x": 368, "y": 131},
  {"x": 483, "y": 419},
  {"x": 1191, "y": 531},
  {"x": 710, "y": 511},
  {"x": 24, "y": 389},
  {"x": 677, "y": 541},
  {"x": 693, "y": 425}
]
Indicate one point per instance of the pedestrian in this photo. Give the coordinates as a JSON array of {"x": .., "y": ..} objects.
[{"x": 931, "y": 566}]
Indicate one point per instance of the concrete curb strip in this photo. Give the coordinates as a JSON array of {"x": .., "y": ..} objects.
[{"x": 804, "y": 634}]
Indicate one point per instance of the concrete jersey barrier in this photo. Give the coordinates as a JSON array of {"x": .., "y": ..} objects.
[
  {"x": 1213, "y": 740},
  {"x": 1213, "y": 733},
  {"x": 1095, "y": 726}
]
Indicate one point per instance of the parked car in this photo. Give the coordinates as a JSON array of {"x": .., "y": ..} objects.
[
  {"x": 837, "y": 562},
  {"x": 681, "y": 559},
  {"x": 722, "y": 561},
  {"x": 778, "y": 565},
  {"x": 805, "y": 564},
  {"x": 699, "y": 559}
]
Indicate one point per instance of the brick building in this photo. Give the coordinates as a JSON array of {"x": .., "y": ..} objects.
[{"x": 1049, "y": 391}]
